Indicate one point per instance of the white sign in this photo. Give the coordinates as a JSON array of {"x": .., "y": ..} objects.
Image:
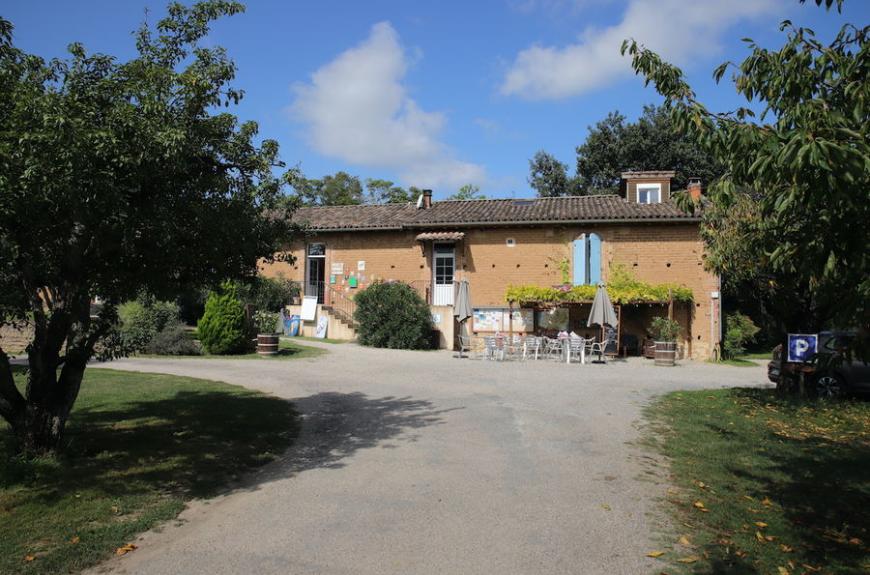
[
  {"x": 337, "y": 269},
  {"x": 309, "y": 307},
  {"x": 322, "y": 324},
  {"x": 361, "y": 265},
  {"x": 436, "y": 318}
]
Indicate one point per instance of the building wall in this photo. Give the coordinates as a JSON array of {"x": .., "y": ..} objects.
[{"x": 655, "y": 253}]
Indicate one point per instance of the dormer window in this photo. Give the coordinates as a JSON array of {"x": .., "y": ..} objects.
[{"x": 649, "y": 193}]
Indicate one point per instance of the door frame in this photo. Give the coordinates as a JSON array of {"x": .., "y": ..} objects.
[{"x": 435, "y": 255}]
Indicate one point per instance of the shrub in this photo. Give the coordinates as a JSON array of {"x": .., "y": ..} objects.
[
  {"x": 393, "y": 315},
  {"x": 223, "y": 328},
  {"x": 266, "y": 322},
  {"x": 664, "y": 329},
  {"x": 268, "y": 294},
  {"x": 173, "y": 340},
  {"x": 739, "y": 330},
  {"x": 142, "y": 319}
]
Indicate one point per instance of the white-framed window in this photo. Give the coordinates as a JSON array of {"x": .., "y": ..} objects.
[{"x": 649, "y": 193}]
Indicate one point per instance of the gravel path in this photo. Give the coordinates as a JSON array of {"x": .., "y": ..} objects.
[{"x": 418, "y": 462}]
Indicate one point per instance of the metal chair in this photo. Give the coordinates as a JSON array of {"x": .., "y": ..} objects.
[
  {"x": 552, "y": 347},
  {"x": 601, "y": 346},
  {"x": 464, "y": 345},
  {"x": 576, "y": 345},
  {"x": 493, "y": 348},
  {"x": 531, "y": 346}
]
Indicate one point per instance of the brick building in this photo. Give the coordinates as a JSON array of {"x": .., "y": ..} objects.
[{"x": 497, "y": 243}]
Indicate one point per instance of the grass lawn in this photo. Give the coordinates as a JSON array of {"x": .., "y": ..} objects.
[
  {"x": 736, "y": 362},
  {"x": 139, "y": 446},
  {"x": 764, "y": 483},
  {"x": 322, "y": 340},
  {"x": 286, "y": 350}
]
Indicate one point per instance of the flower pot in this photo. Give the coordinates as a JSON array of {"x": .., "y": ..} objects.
[
  {"x": 666, "y": 353},
  {"x": 267, "y": 344}
]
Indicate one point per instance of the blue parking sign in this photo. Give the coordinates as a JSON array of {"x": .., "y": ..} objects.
[{"x": 802, "y": 347}]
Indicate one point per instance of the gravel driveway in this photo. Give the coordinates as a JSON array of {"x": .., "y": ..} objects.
[{"x": 418, "y": 462}]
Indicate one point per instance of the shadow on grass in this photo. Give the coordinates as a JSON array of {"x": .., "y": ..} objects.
[
  {"x": 198, "y": 444},
  {"x": 818, "y": 482}
]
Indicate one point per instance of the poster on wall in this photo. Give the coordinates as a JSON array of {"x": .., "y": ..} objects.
[
  {"x": 523, "y": 320},
  {"x": 488, "y": 320},
  {"x": 336, "y": 269}
]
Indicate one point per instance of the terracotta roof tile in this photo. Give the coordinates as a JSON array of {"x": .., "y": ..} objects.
[{"x": 571, "y": 209}]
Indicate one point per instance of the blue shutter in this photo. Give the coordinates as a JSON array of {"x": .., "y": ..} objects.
[
  {"x": 594, "y": 259},
  {"x": 579, "y": 257}
]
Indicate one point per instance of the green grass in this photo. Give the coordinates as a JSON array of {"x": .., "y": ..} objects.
[
  {"x": 286, "y": 350},
  {"x": 736, "y": 362},
  {"x": 322, "y": 340},
  {"x": 758, "y": 355},
  {"x": 138, "y": 447},
  {"x": 785, "y": 482}
]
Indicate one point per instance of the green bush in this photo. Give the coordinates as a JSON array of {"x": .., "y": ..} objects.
[
  {"x": 739, "y": 330},
  {"x": 268, "y": 294},
  {"x": 173, "y": 340},
  {"x": 266, "y": 322},
  {"x": 142, "y": 319},
  {"x": 223, "y": 329},
  {"x": 664, "y": 329},
  {"x": 393, "y": 315}
]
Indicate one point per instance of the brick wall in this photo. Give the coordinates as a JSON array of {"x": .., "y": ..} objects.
[
  {"x": 14, "y": 340},
  {"x": 655, "y": 253}
]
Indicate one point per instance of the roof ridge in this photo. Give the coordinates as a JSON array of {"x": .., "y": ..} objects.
[
  {"x": 390, "y": 204},
  {"x": 536, "y": 198}
]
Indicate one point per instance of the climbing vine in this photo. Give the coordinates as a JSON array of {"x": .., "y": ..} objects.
[{"x": 622, "y": 288}]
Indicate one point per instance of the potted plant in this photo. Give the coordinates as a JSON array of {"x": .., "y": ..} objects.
[
  {"x": 665, "y": 332},
  {"x": 267, "y": 337}
]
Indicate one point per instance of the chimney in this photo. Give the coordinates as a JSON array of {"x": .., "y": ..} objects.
[
  {"x": 694, "y": 188},
  {"x": 427, "y": 199}
]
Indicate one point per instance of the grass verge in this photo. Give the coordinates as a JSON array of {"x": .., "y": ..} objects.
[
  {"x": 318, "y": 339},
  {"x": 765, "y": 483},
  {"x": 286, "y": 350},
  {"x": 139, "y": 446},
  {"x": 736, "y": 362}
]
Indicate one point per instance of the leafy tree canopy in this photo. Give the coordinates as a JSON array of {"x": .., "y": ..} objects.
[
  {"x": 790, "y": 212},
  {"x": 467, "y": 192},
  {"x": 549, "y": 177},
  {"x": 614, "y": 146},
  {"x": 117, "y": 177}
]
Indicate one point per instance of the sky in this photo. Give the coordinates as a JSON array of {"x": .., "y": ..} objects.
[{"x": 441, "y": 94}]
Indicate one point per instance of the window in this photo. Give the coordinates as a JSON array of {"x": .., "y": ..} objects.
[
  {"x": 587, "y": 260},
  {"x": 510, "y": 242},
  {"x": 649, "y": 193}
]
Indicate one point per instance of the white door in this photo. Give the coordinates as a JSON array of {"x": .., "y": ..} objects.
[{"x": 443, "y": 266}]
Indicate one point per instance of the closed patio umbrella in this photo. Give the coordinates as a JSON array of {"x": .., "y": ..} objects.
[
  {"x": 462, "y": 309},
  {"x": 602, "y": 310}
]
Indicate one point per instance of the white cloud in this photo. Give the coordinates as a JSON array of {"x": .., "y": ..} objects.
[
  {"x": 679, "y": 30},
  {"x": 356, "y": 108}
]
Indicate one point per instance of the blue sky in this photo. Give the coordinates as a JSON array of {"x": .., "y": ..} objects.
[{"x": 438, "y": 94}]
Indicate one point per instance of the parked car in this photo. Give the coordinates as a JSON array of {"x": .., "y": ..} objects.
[{"x": 835, "y": 370}]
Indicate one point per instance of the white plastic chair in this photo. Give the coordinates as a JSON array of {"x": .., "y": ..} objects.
[
  {"x": 576, "y": 345},
  {"x": 532, "y": 345}
]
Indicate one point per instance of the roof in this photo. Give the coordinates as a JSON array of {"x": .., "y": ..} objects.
[
  {"x": 650, "y": 175},
  {"x": 481, "y": 213},
  {"x": 440, "y": 236}
]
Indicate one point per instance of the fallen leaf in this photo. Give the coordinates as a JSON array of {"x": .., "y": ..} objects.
[
  {"x": 29, "y": 558},
  {"x": 125, "y": 549},
  {"x": 769, "y": 537},
  {"x": 855, "y": 541},
  {"x": 759, "y": 536},
  {"x": 740, "y": 554},
  {"x": 761, "y": 524},
  {"x": 810, "y": 567},
  {"x": 605, "y": 506},
  {"x": 75, "y": 540},
  {"x": 785, "y": 548},
  {"x": 655, "y": 554},
  {"x": 690, "y": 559},
  {"x": 700, "y": 506},
  {"x": 685, "y": 541},
  {"x": 115, "y": 509},
  {"x": 766, "y": 502},
  {"x": 748, "y": 497},
  {"x": 782, "y": 571}
]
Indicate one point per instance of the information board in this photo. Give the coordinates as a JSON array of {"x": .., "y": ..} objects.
[{"x": 309, "y": 307}]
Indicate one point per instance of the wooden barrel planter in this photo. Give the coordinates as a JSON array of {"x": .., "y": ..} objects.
[
  {"x": 666, "y": 353},
  {"x": 267, "y": 344}
]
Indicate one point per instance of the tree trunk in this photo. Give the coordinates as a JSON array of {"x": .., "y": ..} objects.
[{"x": 41, "y": 430}]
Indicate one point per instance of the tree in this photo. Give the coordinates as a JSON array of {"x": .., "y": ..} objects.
[
  {"x": 548, "y": 176},
  {"x": 386, "y": 192},
  {"x": 798, "y": 172},
  {"x": 468, "y": 192},
  {"x": 340, "y": 189},
  {"x": 652, "y": 143},
  {"x": 114, "y": 178}
]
